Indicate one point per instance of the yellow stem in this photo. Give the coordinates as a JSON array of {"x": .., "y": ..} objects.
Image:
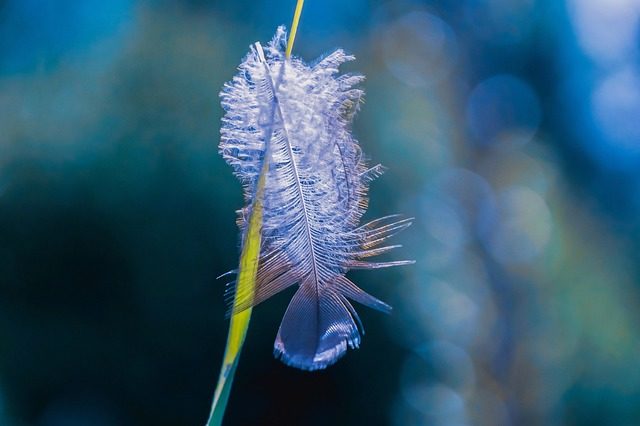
[{"x": 294, "y": 27}]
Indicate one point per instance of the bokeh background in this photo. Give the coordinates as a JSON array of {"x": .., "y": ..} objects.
[{"x": 511, "y": 132}]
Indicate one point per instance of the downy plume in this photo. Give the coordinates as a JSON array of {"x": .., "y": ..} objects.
[{"x": 299, "y": 116}]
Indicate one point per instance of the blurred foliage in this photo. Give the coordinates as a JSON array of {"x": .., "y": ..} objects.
[{"x": 510, "y": 131}]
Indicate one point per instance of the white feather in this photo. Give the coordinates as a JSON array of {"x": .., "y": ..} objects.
[{"x": 314, "y": 198}]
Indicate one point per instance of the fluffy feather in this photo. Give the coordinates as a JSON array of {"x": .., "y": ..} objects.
[{"x": 314, "y": 197}]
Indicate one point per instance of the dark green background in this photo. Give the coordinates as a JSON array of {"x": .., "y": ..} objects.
[{"x": 117, "y": 214}]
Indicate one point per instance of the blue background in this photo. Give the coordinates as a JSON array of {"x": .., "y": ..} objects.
[{"x": 510, "y": 132}]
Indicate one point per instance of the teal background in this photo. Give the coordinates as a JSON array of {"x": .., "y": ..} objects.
[{"x": 510, "y": 132}]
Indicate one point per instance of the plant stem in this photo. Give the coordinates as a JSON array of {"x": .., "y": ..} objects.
[{"x": 294, "y": 27}]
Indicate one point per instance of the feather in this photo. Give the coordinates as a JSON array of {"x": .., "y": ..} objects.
[{"x": 299, "y": 117}]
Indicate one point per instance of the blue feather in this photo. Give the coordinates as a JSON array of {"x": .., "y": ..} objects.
[{"x": 314, "y": 197}]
